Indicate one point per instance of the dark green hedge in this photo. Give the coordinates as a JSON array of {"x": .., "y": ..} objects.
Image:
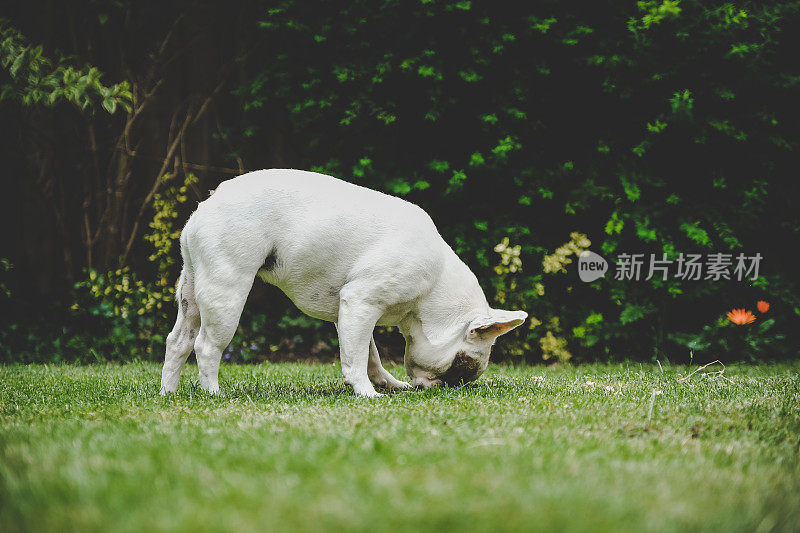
[
  {"x": 530, "y": 132},
  {"x": 650, "y": 127}
]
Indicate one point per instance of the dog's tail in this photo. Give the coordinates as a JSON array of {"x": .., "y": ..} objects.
[{"x": 184, "y": 290}]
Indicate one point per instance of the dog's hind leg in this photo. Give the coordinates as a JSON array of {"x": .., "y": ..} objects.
[
  {"x": 181, "y": 339},
  {"x": 219, "y": 317},
  {"x": 379, "y": 375}
]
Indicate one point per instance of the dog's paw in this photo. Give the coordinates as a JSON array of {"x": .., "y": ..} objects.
[
  {"x": 398, "y": 385},
  {"x": 366, "y": 390},
  {"x": 388, "y": 381}
]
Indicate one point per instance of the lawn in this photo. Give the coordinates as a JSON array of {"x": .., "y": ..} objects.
[{"x": 287, "y": 447}]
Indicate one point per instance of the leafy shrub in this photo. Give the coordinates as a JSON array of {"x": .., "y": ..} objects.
[
  {"x": 658, "y": 127},
  {"x": 529, "y": 134},
  {"x": 140, "y": 313},
  {"x": 37, "y": 79}
]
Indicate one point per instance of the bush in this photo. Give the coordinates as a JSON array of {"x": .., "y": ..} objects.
[
  {"x": 655, "y": 127},
  {"x": 530, "y": 134}
]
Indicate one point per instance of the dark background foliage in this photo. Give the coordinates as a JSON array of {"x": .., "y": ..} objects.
[{"x": 656, "y": 127}]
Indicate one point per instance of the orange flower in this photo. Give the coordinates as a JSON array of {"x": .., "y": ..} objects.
[
  {"x": 740, "y": 317},
  {"x": 763, "y": 306}
]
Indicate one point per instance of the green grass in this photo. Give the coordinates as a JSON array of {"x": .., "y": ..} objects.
[{"x": 287, "y": 447}]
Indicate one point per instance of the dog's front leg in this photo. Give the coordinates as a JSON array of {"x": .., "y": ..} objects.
[{"x": 356, "y": 321}]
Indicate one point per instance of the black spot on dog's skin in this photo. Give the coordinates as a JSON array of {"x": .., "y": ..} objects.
[
  {"x": 184, "y": 305},
  {"x": 463, "y": 370},
  {"x": 270, "y": 261}
]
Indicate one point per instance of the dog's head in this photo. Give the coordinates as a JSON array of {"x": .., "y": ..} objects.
[{"x": 462, "y": 358}]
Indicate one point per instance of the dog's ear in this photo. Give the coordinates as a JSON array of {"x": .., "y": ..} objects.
[{"x": 494, "y": 325}]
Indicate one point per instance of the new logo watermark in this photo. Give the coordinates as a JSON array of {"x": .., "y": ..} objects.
[
  {"x": 690, "y": 267},
  {"x": 591, "y": 266}
]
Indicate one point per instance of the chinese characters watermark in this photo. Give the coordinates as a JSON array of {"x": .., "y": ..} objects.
[{"x": 688, "y": 267}]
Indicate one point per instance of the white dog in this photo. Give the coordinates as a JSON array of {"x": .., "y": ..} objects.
[{"x": 342, "y": 253}]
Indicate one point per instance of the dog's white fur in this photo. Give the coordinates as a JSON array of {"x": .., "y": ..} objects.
[{"x": 342, "y": 253}]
